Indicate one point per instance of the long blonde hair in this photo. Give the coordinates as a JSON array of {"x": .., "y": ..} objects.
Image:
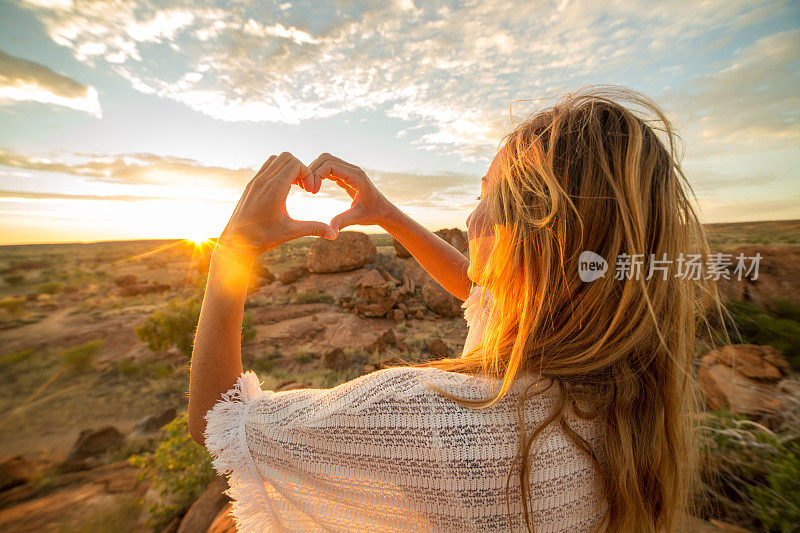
[{"x": 590, "y": 173}]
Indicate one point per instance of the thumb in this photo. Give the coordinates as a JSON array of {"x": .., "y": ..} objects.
[
  {"x": 313, "y": 228},
  {"x": 344, "y": 219}
]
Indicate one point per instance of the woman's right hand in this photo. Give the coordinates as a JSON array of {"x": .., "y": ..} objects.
[{"x": 369, "y": 206}]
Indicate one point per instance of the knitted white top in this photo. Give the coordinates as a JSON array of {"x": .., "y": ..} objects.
[{"x": 385, "y": 452}]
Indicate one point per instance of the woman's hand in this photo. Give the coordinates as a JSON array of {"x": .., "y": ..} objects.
[
  {"x": 260, "y": 221},
  {"x": 369, "y": 205}
]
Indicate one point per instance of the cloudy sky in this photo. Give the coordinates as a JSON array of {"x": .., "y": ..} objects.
[{"x": 123, "y": 120}]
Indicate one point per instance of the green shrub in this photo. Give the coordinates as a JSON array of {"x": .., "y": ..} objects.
[
  {"x": 50, "y": 287},
  {"x": 310, "y": 297},
  {"x": 128, "y": 367},
  {"x": 304, "y": 356},
  {"x": 778, "y": 501},
  {"x": 750, "y": 475},
  {"x": 80, "y": 358},
  {"x": 175, "y": 325},
  {"x": 776, "y": 327},
  {"x": 171, "y": 326},
  {"x": 13, "y": 358},
  {"x": 12, "y": 305},
  {"x": 179, "y": 469},
  {"x": 15, "y": 279}
]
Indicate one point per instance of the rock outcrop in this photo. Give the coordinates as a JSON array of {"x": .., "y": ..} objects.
[
  {"x": 90, "y": 444},
  {"x": 745, "y": 379},
  {"x": 440, "y": 301},
  {"x": 349, "y": 251},
  {"x": 778, "y": 274}
]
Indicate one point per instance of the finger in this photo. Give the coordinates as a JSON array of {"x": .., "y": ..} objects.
[
  {"x": 302, "y": 228},
  {"x": 348, "y": 189},
  {"x": 325, "y": 156},
  {"x": 349, "y": 175},
  {"x": 266, "y": 164},
  {"x": 342, "y": 220},
  {"x": 287, "y": 170}
]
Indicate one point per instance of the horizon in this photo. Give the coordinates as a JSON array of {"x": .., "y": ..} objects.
[{"x": 146, "y": 121}]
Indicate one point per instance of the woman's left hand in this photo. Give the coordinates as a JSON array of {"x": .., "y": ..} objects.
[{"x": 260, "y": 221}]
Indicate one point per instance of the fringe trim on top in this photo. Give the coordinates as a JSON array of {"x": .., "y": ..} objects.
[{"x": 225, "y": 438}]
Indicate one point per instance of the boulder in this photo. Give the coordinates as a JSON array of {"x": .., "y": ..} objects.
[
  {"x": 456, "y": 238},
  {"x": 335, "y": 358},
  {"x": 414, "y": 275},
  {"x": 440, "y": 301},
  {"x": 293, "y": 274},
  {"x": 14, "y": 470},
  {"x": 143, "y": 288},
  {"x": 154, "y": 422},
  {"x": 263, "y": 274},
  {"x": 777, "y": 274},
  {"x": 89, "y": 445},
  {"x": 350, "y": 250},
  {"x": 205, "y": 509},
  {"x": 385, "y": 339},
  {"x": 399, "y": 249},
  {"x": 744, "y": 378},
  {"x": 438, "y": 348},
  {"x": 223, "y": 523},
  {"x": 125, "y": 281}
]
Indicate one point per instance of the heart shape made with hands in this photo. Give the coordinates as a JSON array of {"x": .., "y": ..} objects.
[
  {"x": 304, "y": 204},
  {"x": 367, "y": 204}
]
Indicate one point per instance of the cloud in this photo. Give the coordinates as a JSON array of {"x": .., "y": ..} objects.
[
  {"x": 30, "y": 195},
  {"x": 22, "y": 80},
  {"x": 450, "y": 71},
  {"x": 138, "y": 168},
  {"x": 750, "y": 102}
]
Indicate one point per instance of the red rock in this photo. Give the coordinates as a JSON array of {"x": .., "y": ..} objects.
[
  {"x": 744, "y": 379},
  {"x": 350, "y": 250},
  {"x": 205, "y": 509}
]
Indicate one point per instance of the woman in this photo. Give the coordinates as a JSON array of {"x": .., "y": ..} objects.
[{"x": 569, "y": 411}]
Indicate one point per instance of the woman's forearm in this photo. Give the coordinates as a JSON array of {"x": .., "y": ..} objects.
[
  {"x": 447, "y": 265},
  {"x": 216, "y": 355}
]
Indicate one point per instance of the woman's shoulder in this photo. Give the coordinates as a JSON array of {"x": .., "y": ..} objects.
[{"x": 411, "y": 380}]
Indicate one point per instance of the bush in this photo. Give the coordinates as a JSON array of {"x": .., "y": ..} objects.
[
  {"x": 176, "y": 324},
  {"x": 14, "y": 280},
  {"x": 750, "y": 475},
  {"x": 775, "y": 327},
  {"x": 309, "y": 297},
  {"x": 304, "y": 356},
  {"x": 12, "y": 305},
  {"x": 179, "y": 469},
  {"x": 80, "y": 358},
  {"x": 50, "y": 287},
  {"x": 172, "y": 326},
  {"x": 128, "y": 367},
  {"x": 13, "y": 358}
]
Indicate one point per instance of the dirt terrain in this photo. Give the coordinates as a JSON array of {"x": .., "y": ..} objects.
[{"x": 95, "y": 342}]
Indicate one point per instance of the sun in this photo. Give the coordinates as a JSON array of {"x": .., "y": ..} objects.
[{"x": 198, "y": 240}]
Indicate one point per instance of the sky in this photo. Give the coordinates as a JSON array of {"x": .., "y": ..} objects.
[{"x": 127, "y": 120}]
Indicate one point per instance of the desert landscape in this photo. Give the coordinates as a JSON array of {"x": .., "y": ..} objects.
[{"x": 95, "y": 341}]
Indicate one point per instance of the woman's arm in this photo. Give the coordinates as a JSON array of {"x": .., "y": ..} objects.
[
  {"x": 216, "y": 354},
  {"x": 441, "y": 260},
  {"x": 438, "y": 257},
  {"x": 259, "y": 223}
]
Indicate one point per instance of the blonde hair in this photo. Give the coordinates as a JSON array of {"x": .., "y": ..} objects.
[{"x": 590, "y": 174}]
